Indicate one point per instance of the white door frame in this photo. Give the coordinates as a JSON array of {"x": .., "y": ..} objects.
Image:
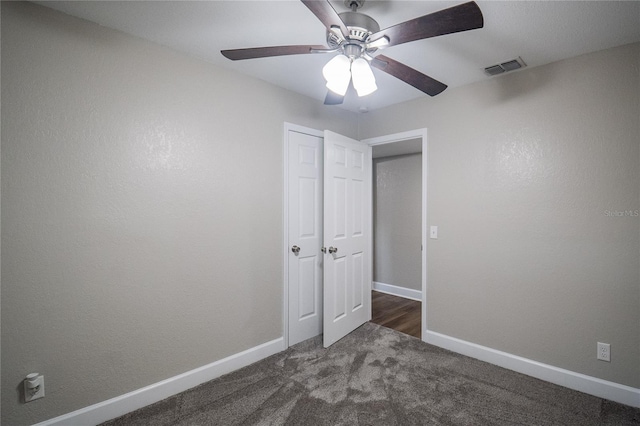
[
  {"x": 285, "y": 219},
  {"x": 399, "y": 137}
]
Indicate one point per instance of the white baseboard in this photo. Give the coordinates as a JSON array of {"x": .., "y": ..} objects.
[
  {"x": 394, "y": 290},
  {"x": 591, "y": 385},
  {"x": 123, "y": 404},
  {"x": 131, "y": 401}
]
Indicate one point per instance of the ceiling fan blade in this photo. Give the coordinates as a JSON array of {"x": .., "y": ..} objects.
[
  {"x": 333, "y": 98},
  {"x": 264, "y": 52},
  {"x": 407, "y": 74},
  {"x": 326, "y": 14},
  {"x": 463, "y": 17}
]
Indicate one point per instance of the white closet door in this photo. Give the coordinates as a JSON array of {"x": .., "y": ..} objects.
[
  {"x": 305, "y": 236},
  {"x": 347, "y": 235}
]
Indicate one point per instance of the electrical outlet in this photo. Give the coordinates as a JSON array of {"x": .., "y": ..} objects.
[
  {"x": 604, "y": 352},
  {"x": 33, "y": 387}
]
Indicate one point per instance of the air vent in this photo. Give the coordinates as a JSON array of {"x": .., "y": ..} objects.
[
  {"x": 494, "y": 70},
  {"x": 511, "y": 65}
]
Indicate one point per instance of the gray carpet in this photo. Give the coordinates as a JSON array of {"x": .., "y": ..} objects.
[{"x": 377, "y": 376}]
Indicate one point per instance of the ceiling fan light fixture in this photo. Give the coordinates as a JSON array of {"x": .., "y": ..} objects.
[
  {"x": 338, "y": 74},
  {"x": 339, "y": 87},
  {"x": 363, "y": 79},
  {"x": 357, "y": 36}
]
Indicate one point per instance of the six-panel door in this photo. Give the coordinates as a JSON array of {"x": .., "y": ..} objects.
[
  {"x": 347, "y": 236},
  {"x": 305, "y": 234}
]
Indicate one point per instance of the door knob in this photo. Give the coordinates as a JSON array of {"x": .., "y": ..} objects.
[
  {"x": 333, "y": 250},
  {"x": 295, "y": 249},
  {"x": 323, "y": 249}
]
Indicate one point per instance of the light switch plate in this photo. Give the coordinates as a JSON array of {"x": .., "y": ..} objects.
[{"x": 433, "y": 232}]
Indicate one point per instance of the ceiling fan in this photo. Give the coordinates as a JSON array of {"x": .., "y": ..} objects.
[{"x": 357, "y": 37}]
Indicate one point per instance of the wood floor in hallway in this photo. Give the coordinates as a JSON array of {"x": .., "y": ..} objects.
[{"x": 398, "y": 313}]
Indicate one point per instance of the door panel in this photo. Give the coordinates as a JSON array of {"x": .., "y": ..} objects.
[
  {"x": 358, "y": 279},
  {"x": 305, "y": 231},
  {"x": 308, "y": 285},
  {"x": 339, "y": 208},
  {"x": 340, "y": 289},
  {"x": 347, "y": 225}
]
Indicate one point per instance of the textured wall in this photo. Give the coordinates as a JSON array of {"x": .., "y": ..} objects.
[
  {"x": 526, "y": 173},
  {"x": 397, "y": 207},
  {"x": 141, "y": 210}
]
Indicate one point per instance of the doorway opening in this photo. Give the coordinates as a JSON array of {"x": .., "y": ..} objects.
[{"x": 399, "y": 232}]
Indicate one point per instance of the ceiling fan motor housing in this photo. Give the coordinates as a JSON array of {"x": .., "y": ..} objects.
[{"x": 360, "y": 27}]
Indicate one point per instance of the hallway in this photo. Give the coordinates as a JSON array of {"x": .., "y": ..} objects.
[{"x": 398, "y": 313}]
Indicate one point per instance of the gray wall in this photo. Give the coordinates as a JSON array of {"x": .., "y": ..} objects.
[
  {"x": 525, "y": 174},
  {"x": 397, "y": 223},
  {"x": 141, "y": 210}
]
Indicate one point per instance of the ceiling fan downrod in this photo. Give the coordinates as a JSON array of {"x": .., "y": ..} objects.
[{"x": 354, "y": 4}]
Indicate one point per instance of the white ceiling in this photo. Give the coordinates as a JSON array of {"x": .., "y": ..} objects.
[{"x": 538, "y": 31}]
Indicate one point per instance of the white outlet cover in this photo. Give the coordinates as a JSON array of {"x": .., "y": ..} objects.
[
  {"x": 28, "y": 396},
  {"x": 604, "y": 352}
]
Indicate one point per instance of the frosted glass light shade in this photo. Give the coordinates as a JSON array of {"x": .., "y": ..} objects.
[
  {"x": 363, "y": 79},
  {"x": 337, "y": 73}
]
